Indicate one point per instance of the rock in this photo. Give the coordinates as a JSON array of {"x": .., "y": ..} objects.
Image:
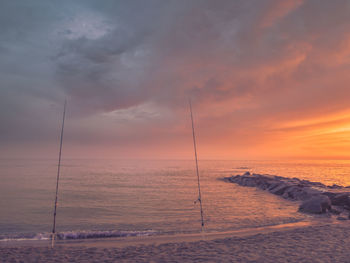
[
  {"x": 317, "y": 198},
  {"x": 335, "y": 186},
  {"x": 292, "y": 192},
  {"x": 312, "y": 191},
  {"x": 315, "y": 184},
  {"x": 337, "y": 210},
  {"x": 331, "y": 195},
  {"x": 341, "y": 199},
  {"x": 248, "y": 181},
  {"x": 342, "y": 218},
  {"x": 265, "y": 184},
  {"x": 316, "y": 205},
  {"x": 306, "y": 193},
  {"x": 273, "y": 185},
  {"x": 279, "y": 190}
]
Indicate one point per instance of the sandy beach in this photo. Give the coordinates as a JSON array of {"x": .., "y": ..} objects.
[{"x": 313, "y": 243}]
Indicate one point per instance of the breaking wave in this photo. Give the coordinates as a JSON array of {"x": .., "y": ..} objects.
[{"x": 70, "y": 235}]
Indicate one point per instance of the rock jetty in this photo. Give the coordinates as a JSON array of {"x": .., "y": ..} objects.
[{"x": 315, "y": 197}]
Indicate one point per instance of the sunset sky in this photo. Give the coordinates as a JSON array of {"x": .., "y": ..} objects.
[{"x": 268, "y": 79}]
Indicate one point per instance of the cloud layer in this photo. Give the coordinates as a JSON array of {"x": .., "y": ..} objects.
[{"x": 254, "y": 69}]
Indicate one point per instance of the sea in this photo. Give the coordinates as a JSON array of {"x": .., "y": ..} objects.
[{"x": 121, "y": 198}]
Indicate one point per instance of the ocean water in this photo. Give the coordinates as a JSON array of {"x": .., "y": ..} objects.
[{"x": 111, "y": 198}]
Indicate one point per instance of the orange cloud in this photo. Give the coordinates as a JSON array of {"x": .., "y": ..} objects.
[{"x": 278, "y": 10}]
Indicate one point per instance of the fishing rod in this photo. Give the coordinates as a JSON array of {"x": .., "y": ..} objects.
[
  {"x": 58, "y": 177},
  {"x": 197, "y": 170}
]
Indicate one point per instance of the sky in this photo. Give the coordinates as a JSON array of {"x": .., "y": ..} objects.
[{"x": 268, "y": 79}]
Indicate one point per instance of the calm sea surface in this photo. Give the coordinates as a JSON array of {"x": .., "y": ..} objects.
[{"x": 146, "y": 197}]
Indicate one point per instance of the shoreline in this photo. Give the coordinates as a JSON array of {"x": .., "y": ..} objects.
[
  {"x": 317, "y": 240},
  {"x": 121, "y": 242}
]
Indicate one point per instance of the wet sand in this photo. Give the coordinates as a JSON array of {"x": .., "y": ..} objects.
[{"x": 326, "y": 242}]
